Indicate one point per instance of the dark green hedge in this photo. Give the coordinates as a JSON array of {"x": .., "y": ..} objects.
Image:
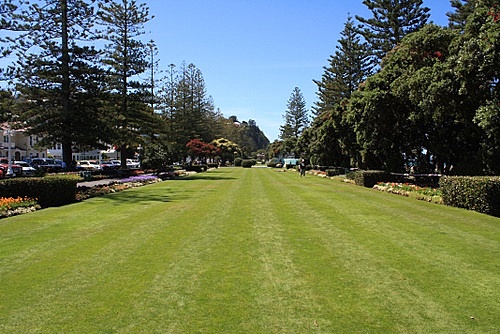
[
  {"x": 478, "y": 193},
  {"x": 334, "y": 171},
  {"x": 238, "y": 162},
  {"x": 247, "y": 163},
  {"x": 48, "y": 191},
  {"x": 369, "y": 178},
  {"x": 196, "y": 168}
]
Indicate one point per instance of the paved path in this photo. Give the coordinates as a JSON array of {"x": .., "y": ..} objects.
[{"x": 96, "y": 183}]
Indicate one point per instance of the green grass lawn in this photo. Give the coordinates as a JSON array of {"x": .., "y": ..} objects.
[{"x": 250, "y": 251}]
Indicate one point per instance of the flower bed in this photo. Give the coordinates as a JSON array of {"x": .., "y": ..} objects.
[
  {"x": 119, "y": 185},
  {"x": 428, "y": 194},
  {"x": 14, "y": 206}
]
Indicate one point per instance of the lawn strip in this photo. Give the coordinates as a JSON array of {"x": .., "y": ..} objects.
[
  {"x": 286, "y": 301},
  {"x": 433, "y": 273},
  {"x": 249, "y": 251},
  {"x": 89, "y": 263}
]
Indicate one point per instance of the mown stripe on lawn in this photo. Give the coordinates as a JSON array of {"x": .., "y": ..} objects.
[
  {"x": 249, "y": 251},
  {"x": 408, "y": 244}
]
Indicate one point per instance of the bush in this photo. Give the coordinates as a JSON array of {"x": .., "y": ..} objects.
[
  {"x": 238, "y": 161},
  {"x": 478, "y": 193},
  {"x": 48, "y": 191},
  {"x": 334, "y": 171},
  {"x": 369, "y": 178},
  {"x": 273, "y": 163},
  {"x": 248, "y": 163},
  {"x": 196, "y": 168}
]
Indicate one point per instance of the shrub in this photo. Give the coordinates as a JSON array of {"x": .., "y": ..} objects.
[
  {"x": 238, "y": 161},
  {"x": 48, "y": 191},
  {"x": 334, "y": 171},
  {"x": 478, "y": 193},
  {"x": 369, "y": 178},
  {"x": 273, "y": 163},
  {"x": 247, "y": 163},
  {"x": 196, "y": 168}
]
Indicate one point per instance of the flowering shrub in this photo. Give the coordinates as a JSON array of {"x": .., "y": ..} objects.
[
  {"x": 410, "y": 190},
  {"x": 12, "y": 206},
  {"x": 123, "y": 184},
  {"x": 144, "y": 179}
]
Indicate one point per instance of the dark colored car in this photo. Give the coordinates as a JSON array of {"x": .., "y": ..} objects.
[{"x": 46, "y": 164}]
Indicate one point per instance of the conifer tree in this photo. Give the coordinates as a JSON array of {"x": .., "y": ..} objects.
[
  {"x": 126, "y": 59},
  {"x": 296, "y": 116},
  {"x": 391, "y": 21},
  {"x": 463, "y": 8},
  {"x": 56, "y": 73},
  {"x": 348, "y": 68},
  {"x": 192, "y": 106}
]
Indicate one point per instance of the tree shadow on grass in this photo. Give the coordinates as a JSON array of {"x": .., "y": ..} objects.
[
  {"x": 216, "y": 174},
  {"x": 205, "y": 177},
  {"x": 165, "y": 194}
]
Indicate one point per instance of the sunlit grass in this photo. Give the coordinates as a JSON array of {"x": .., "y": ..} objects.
[{"x": 250, "y": 251}]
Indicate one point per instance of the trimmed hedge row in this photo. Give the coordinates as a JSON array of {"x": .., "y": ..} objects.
[
  {"x": 369, "y": 178},
  {"x": 238, "y": 162},
  {"x": 248, "y": 163},
  {"x": 48, "y": 191},
  {"x": 478, "y": 193},
  {"x": 196, "y": 168},
  {"x": 334, "y": 171}
]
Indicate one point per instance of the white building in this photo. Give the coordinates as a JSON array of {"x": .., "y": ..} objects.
[{"x": 22, "y": 146}]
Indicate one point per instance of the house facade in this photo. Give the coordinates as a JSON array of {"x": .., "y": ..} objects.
[{"x": 21, "y": 145}]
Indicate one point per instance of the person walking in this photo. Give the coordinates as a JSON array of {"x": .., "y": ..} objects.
[{"x": 302, "y": 168}]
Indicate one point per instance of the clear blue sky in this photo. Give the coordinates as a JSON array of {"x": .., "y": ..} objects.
[{"x": 252, "y": 53}]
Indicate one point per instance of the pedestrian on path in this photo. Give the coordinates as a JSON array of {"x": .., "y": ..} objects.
[{"x": 302, "y": 168}]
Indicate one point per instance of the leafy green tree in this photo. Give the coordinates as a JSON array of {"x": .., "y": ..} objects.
[
  {"x": 125, "y": 59},
  {"x": 391, "y": 21},
  {"x": 379, "y": 120},
  {"x": 440, "y": 129},
  {"x": 228, "y": 150},
  {"x": 476, "y": 63}
]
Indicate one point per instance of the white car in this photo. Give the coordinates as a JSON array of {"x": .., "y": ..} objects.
[
  {"x": 133, "y": 164},
  {"x": 89, "y": 165},
  {"x": 27, "y": 169}
]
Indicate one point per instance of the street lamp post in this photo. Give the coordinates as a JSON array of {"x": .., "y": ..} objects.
[{"x": 9, "y": 168}]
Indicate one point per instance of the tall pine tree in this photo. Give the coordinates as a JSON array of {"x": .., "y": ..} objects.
[
  {"x": 296, "y": 116},
  {"x": 347, "y": 69},
  {"x": 126, "y": 59},
  {"x": 458, "y": 18},
  {"x": 55, "y": 74},
  {"x": 330, "y": 138},
  {"x": 391, "y": 21}
]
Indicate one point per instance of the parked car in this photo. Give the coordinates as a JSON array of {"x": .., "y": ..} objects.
[
  {"x": 27, "y": 169},
  {"x": 133, "y": 164},
  {"x": 16, "y": 169},
  {"x": 109, "y": 165},
  {"x": 61, "y": 163},
  {"x": 90, "y": 165},
  {"x": 48, "y": 165}
]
